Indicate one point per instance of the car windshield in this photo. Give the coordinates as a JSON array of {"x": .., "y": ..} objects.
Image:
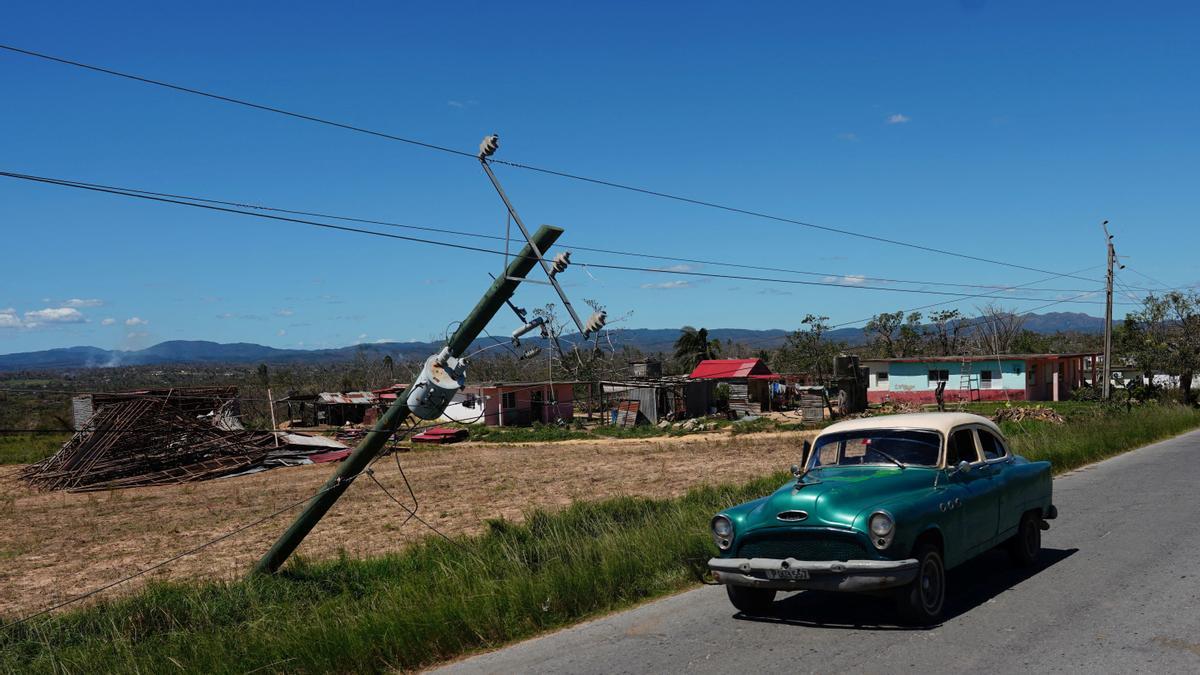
[{"x": 877, "y": 446}]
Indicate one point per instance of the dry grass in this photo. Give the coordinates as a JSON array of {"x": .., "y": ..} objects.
[{"x": 56, "y": 545}]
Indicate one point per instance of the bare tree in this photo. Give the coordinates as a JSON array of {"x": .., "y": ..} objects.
[{"x": 996, "y": 329}]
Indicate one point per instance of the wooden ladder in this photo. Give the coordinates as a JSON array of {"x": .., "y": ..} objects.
[{"x": 968, "y": 381}]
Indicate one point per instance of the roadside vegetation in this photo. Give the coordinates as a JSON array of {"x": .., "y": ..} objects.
[
  {"x": 26, "y": 448},
  {"x": 441, "y": 599}
]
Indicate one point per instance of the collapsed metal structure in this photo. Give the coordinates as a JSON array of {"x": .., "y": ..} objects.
[{"x": 158, "y": 437}]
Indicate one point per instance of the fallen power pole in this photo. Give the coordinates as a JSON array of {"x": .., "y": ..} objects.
[
  {"x": 444, "y": 373},
  {"x": 427, "y": 398}
]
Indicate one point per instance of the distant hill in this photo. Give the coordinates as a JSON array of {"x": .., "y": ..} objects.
[{"x": 649, "y": 340}]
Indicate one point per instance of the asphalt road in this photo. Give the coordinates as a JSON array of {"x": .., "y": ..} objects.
[{"x": 1118, "y": 591}]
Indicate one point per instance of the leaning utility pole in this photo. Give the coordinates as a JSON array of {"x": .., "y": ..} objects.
[
  {"x": 1108, "y": 298},
  {"x": 439, "y": 380},
  {"x": 444, "y": 373}
]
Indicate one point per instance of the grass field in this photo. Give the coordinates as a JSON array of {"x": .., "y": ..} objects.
[
  {"x": 440, "y": 599},
  {"x": 29, "y": 448}
]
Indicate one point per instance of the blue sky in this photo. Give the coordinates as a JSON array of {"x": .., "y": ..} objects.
[{"x": 1004, "y": 130}]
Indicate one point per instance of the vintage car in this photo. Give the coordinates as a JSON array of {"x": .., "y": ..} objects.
[{"x": 885, "y": 505}]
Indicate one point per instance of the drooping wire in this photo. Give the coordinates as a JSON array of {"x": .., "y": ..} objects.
[
  {"x": 137, "y": 195},
  {"x": 519, "y": 165}
]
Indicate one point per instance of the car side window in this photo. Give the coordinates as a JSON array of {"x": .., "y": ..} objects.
[
  {"x": 961, "y": 448},
  {"x": 993, "y": 448}
]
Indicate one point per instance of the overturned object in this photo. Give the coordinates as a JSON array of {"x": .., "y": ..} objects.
[{"x": 159, "y": 437}]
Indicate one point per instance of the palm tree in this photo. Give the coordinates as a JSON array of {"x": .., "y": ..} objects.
[{"x": 693, "y": 346}]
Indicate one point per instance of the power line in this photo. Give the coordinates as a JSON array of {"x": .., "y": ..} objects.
[
  {"x": 528, "y": 167},
  {"x": 590, "y": 249},
  {"x": 127, "y": 193}
]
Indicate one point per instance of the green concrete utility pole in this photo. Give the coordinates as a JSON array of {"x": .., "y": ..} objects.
[{"x": 427, "y": 396}]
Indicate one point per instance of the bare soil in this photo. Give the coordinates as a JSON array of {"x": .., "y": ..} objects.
[{"x": 57, "y": 545}]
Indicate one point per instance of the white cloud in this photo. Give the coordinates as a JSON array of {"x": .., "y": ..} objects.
[
  {"x": 84, "y": 302},
  {"x": 136, "y": 334},
  {"x": 54, "y": 315},
  {"x": 363, "y": 336},
  {"x": 456, "y": 104},
  {"x": 108, "y": 322},
  {"x": 383, "y": 340},
  {"x": 849, "y": 136},
  {"x": 897, "y": 118},
  {"x": 847, "y": 280},
  {"x": 683, "y": 267},
  {"x": 286, "y": 311},
  {"x": 9, "y": 319},
  {"x": 136, "y": 321},
  {"x": 281, "y": 332},
  {"x": 678, "y": 283}
]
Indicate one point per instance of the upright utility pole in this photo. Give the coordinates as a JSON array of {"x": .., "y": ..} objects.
[
  {"x": 440, "y": 378},
  {"x": 1108, "y": 297}
]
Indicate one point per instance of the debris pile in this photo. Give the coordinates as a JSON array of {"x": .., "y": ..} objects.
[
  {"x": 160, "y": 437},
  {"x": 1026, "y": 413},
  {"x": 892, "y": 408}
]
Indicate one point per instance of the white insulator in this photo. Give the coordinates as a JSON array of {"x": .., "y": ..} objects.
[
  {"x": 532, "y": 325},
  {"x": 595, "y": 322},
  {"x": 489, "y": 145},
  {"x": 560, "y": 262},
  {"x": 531, "y": 353}
]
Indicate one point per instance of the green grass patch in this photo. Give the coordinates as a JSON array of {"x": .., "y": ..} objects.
[
  {"x": 431, "y": 602},
  {"x": 439, "y": 600},
  {"x": 1094, "y": 432},
  {"x": 531, "y": 434},
  {"x": 29, "y": 448}
]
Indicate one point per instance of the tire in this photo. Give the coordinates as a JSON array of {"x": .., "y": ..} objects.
[
  {"x": 751, "y": 600},
  {"x": 922, "y": 601},
  {"x": 1026, "y": 545}
]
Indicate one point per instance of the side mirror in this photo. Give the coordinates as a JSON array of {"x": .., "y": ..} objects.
[
  {"x": 963, "y": 467},
  {"x": 796, "y": 471}
]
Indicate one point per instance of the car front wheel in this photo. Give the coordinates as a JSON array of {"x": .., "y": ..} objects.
[
  {"x": 921, "y": 601},
  {"x": 1026, "y": 545},
  {"x": 750, "y": 600}
]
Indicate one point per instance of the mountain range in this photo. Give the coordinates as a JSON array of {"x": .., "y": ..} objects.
[{"x": 648, "y": 340}]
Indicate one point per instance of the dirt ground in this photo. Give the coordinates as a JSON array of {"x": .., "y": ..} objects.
[{"x": 57, "y": 545}]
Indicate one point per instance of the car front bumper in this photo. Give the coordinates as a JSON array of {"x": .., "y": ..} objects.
[{"x": 851, "y": 575}]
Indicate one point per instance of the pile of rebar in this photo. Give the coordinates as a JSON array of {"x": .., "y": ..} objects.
[{"x": 154, "y": 438}]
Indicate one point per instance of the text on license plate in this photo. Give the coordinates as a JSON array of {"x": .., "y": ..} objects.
[{"x": 792, "y": 575}]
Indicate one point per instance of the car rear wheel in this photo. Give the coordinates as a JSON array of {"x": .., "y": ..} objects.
[
  {"x": 751, "y": 600},
  {"x": 1026, "y": 545},
  {"x": 921, "y": 601}
]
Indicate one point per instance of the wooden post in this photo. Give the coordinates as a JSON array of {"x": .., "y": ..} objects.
[{"x": 274, "y": 425}]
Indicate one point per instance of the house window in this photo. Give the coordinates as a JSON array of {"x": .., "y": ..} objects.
[
  {"x": 881, "y": 379},
  {"x": 985, "y": 379},
  {"x": 938, "y": 375},
  {"x": 508, "y": 400}
]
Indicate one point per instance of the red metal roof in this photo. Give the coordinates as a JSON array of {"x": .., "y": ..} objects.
[{"x": 719, "y": 369}]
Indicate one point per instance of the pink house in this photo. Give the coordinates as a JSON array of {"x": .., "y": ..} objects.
[{"x": 513, "y": 404}]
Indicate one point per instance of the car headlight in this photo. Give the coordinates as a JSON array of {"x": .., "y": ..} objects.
[
  {"x": 722, "y": 532},
  {"x": 883, "y": 528}
]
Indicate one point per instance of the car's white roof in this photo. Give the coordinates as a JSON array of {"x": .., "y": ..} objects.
[{"x": 937, "y": 421}]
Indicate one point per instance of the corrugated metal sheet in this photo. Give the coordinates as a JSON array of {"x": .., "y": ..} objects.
[
  {"x": 719, "y": 369},
  {"x": 348, "y": 398}
]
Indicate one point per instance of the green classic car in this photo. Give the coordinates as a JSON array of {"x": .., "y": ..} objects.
[{"x": 885, "y": 505}]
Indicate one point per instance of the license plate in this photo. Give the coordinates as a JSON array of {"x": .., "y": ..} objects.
[{"x": 790, "y": 575}]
